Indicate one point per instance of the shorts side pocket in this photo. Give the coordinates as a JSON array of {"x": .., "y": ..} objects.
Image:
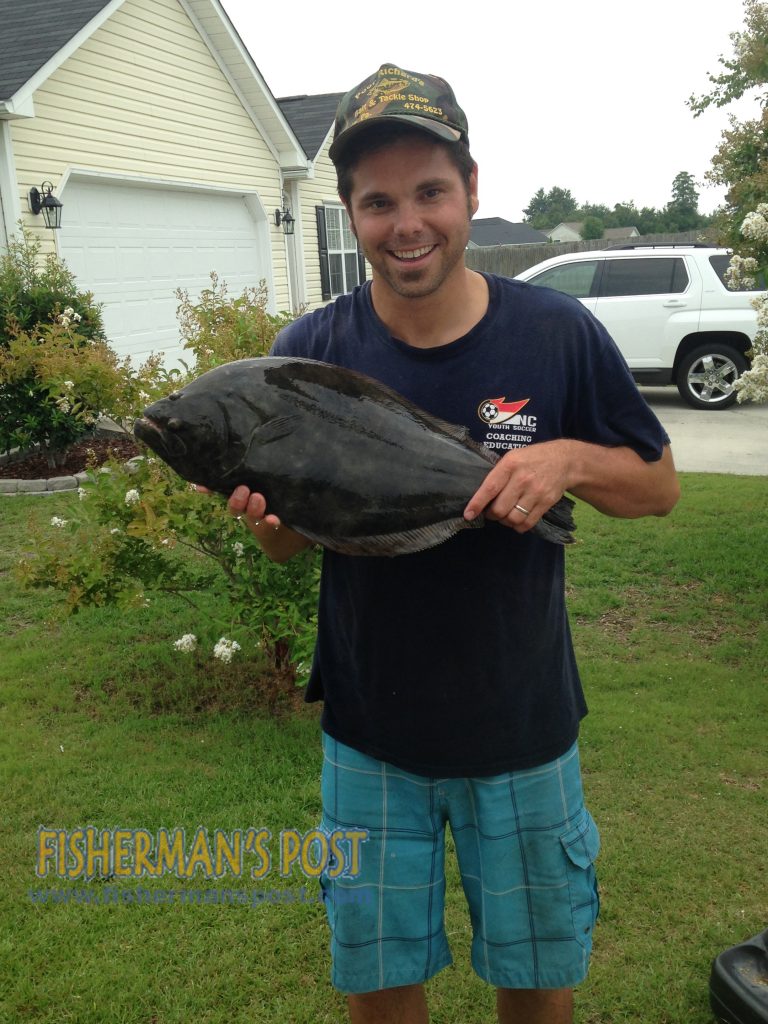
[{"x": 581, "y": 844}]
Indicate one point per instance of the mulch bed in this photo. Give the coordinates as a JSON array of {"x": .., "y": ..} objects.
[{"x": 84, "y": 455}]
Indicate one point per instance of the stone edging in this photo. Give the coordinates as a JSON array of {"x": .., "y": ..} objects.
[{"x": 54, "y": 485}]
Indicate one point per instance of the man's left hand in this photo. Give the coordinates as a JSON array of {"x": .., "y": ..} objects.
[{"x": 523, "y": 485}]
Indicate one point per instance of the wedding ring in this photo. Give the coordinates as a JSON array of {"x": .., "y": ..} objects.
[{"x": 524, "y": 511}]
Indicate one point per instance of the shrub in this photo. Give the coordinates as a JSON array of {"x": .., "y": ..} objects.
[
  {"x": 141, "y": 529},
  {"x": 219, "y": 329},
  {"x": 57, "y": 372}
]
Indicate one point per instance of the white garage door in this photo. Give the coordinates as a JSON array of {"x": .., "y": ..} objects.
[{"x": 134, "y": 246}]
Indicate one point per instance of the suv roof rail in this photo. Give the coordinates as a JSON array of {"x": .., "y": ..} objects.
[{"x": 664, "y": 245}]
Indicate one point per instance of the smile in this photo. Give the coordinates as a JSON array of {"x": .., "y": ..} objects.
[{"x": 412, "y": 254}]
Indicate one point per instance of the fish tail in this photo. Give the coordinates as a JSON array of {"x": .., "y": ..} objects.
[{"x": 557, "y": 524}]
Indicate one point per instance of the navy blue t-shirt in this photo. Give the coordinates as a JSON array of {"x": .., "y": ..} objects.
[{"x": 457, "y": 661}]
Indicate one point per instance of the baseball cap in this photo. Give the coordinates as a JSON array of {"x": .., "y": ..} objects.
[{"x": 424, "y": 101}]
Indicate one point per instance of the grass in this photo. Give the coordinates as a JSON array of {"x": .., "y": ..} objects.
[{"x": 104, "y": 724}]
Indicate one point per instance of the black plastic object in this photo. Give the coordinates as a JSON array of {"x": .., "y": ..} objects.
[{"x": 738, "y": 984}]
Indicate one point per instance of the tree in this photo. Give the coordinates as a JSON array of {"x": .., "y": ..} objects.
[
  {"x": 683, "y": 209},
  {"x": 546, "y": 209},
  {"x": 741, "y": 165},
  {"x": 593, "y": 228}
]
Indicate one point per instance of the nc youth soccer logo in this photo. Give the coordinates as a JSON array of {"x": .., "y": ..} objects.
[{"x": 499, "y": 410}]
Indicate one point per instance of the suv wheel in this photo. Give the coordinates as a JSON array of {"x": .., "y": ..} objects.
[{"x": 706, "y": 376}]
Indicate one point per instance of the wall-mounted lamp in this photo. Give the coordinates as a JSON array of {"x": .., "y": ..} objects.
[
  {"x": 44, "y": 200},
  {"x": 285, "y": 218}
]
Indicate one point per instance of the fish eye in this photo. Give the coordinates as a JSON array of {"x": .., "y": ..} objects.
[
  {"x": 175, "y": 424},
  {"x": 174, "y": 396}
]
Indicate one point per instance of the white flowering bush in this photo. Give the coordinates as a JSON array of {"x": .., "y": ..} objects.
[
  {"x": 142, "y": 531},
  {"x": 745, "y": 271}
]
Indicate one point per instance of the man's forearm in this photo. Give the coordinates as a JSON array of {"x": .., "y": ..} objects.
[{"x": 617, "y": 482}]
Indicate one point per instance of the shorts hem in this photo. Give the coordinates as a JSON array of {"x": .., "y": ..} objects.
[
  {"x": 360, "y": 986},
  {"x": 525, "y": 980}
]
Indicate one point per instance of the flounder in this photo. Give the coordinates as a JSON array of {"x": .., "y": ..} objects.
[{"x": 339, "y": 457}]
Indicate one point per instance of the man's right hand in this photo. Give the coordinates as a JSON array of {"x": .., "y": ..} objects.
[{"x": 278, "y": 542}]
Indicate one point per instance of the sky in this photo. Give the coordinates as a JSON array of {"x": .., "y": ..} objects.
[{"x": 587, "y": 96}]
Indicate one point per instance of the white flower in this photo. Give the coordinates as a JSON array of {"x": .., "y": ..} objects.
[
  {"x": 63, "y": 405},
  {"x": 225, "y": 648},
  {"x": 64, "y": 320},
  {"x": 69, "y": 311},
  {"x": 132, "y": 497},
  {"x": 239, "y": 549},
  {"x": 56, "y": 521},
  {"x": 76, "y": 317},
  {"x": 82, "y": 493},
  {"x": 115, "y": 530},
  {"x": 755, "y": 225},
  {"x": 188, "y": 642}
]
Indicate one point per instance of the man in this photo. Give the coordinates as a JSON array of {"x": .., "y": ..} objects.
[{"x": 450, "y": 688}]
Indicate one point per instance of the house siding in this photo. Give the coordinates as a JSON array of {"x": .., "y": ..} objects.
[
  {"x": 143, "y": 97},
  {"x": 317, "y": 191}
]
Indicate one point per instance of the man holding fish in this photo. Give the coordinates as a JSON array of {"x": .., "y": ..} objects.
[{"x": 450, "y": 689}]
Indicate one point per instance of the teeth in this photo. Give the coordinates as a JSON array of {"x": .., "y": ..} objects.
[{"x": 412, "y": 254}]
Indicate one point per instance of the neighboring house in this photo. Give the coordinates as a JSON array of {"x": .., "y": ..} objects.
[
  {"x": 331, "y": 261},
  {"x": 165, "y": 146},
  {"x": 497, "y": 231},
  {"x": 620, "y": 234},
  {"x": 566, "y": 231},
  {"x": 570, "y": 231}
]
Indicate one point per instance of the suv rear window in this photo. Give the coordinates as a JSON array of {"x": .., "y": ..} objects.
[
  {"x": 645, "y": 275},
  {"x": 720, "y": 264}
]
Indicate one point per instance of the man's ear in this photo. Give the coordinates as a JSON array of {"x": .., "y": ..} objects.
[
  {"x": 474, "y": 202},
  {"x": 346, "y": 206}
]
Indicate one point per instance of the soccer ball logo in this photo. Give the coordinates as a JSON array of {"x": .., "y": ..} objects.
[{"x": 488, "y": 412}]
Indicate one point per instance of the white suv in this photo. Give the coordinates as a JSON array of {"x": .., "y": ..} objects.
[{"x": 668, "y": 310}]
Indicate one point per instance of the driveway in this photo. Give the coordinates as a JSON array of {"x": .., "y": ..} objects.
[{"x": 733, "y": 440}]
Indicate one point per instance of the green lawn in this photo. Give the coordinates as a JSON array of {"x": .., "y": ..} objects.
[{"x": 104, "y": 724}]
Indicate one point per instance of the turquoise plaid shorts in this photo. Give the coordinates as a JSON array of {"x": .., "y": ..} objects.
[{"x": 525, "y": 845}]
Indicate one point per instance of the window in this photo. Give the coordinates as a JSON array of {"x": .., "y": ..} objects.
[
  {"x": 574, "y": 279},
  {"x": 720, "y": 264},
  {"x": 342, "y": 265},
  {"x": 644, "y": 275}
]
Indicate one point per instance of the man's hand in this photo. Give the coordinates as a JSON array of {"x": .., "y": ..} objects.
[
  {"x": 522, "y": 486},
  {"x": 277, "y": 541},
  {"x": 616, "y": 481}
]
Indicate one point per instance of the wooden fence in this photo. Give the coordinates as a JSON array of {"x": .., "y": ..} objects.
[{"x": 509, "y": 260}]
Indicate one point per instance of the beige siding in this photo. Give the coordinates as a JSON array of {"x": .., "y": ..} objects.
[
  {"x": 315, "y": 192},
  {"x": 144, "y": 97},
  {"x": 319, "y": 191}
]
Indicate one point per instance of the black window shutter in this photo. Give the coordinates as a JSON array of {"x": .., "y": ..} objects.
[
  {"x": 322, "y": 245},
  {"x": 360, "y": 266}
]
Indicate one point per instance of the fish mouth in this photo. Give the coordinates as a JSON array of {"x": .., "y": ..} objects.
[{"x": 158, "y": 439}]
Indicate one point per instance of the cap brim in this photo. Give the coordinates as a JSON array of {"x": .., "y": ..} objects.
[{"x": 442, "y": 131}]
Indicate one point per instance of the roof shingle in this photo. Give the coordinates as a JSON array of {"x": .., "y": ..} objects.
[
  {"x": 310, "y": 117},
  {"x": 32, "y": 31}
]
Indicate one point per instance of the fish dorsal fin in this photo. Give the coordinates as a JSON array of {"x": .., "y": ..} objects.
[{"x": 404, "y": 543}]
